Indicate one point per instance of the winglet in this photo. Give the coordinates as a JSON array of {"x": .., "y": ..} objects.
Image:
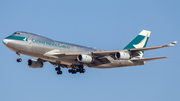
[{"x": 172, "y": 44}]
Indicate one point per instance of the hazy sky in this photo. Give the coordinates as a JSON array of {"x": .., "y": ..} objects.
[{"x": 104, "y": 24}]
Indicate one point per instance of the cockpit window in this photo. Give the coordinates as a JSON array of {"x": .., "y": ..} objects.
[{"x": 15, "y": 33}]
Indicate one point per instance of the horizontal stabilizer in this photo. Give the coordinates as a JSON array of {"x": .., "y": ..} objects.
[{"x": 147, "y": 59}]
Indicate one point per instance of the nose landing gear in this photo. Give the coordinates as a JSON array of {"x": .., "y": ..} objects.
[{"x": 18, "y": 59}]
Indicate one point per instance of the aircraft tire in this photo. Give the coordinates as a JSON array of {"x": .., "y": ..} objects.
[
  {"x": 59, "y": 72},
  {"x": 70, "y": 70},
  {"x": 73, "y": 72},
  {"x": 82, "y": 71},
  {"x": 56, "y": 69},
  {"x": 19, "y": 60}
]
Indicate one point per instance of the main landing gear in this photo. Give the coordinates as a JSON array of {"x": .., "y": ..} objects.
[
  {"x": 80, "y": 69},
  {"x": 58, "y": 69},
  {"x": 74, "y": 70},
  {"x": 18, "y": 59}
]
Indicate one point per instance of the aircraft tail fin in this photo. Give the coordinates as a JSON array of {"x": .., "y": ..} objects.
[{"x": 139, "y": 41}]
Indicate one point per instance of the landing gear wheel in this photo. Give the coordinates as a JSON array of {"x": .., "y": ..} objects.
[
  {"x": 56, "y": 69},
  {"x": 78, "y": 70},
  {"x": 19, "y": 60},
  {"x": 83, "y": 71},
  {"x": 74, "y": 72},
  {"x": 59, "y": 72},
  {"x": 70, "y": 70}
]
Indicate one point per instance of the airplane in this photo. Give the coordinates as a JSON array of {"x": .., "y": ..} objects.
[{"x": 76, "y": 57}]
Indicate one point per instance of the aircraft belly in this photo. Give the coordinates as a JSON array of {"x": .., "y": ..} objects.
[{"x": 61, "y": 60}]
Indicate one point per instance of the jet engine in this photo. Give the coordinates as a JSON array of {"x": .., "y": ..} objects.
[
  {"x": 122, "y": 55},
  {"x": 84, "y": 58},
  {"x": 34, "y": 63}
]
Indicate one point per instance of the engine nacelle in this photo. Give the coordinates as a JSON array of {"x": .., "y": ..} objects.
[
  {"x": 34, "y": 63},
  {"x": 122, "y": 56},
  {"x": 84, "y": 58}
]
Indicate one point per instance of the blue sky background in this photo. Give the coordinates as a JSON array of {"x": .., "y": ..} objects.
[{"x": 104, "y": 24}]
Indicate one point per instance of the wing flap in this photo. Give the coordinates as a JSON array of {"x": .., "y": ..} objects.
[{"x": 147, "y": 59}]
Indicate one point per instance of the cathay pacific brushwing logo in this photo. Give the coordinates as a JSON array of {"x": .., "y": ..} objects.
[
  {"x": 142, "y": 43},
  {"x": 25, "y": 39}
]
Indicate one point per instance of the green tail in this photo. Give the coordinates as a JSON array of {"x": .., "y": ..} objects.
[{"x": 139, "y": 41}]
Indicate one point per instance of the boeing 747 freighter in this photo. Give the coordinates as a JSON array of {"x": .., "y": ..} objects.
[{"x": 75, "y": 57}]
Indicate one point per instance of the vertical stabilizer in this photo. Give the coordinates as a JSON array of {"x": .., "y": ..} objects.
[{"x": 139, "y": 41}]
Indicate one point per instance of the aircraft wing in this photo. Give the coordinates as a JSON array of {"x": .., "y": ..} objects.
[
  {"x": 151, "y": 48},
  {"x": 99, "y": 55},
  {"x": 73, "y": 57},
  {"x": 131, "y": 51}
]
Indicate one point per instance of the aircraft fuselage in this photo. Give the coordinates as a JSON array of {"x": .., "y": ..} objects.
[{"x": 42, "y": 47}]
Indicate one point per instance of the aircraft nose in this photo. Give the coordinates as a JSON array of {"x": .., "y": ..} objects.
[{"x": 5, "y": 41}]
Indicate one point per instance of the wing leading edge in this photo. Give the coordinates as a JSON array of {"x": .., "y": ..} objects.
[{"x": 110, "y": 53}]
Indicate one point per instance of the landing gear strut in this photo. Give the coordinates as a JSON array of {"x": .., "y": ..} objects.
[
  {"x": 58, "y": 69},
  {"x": 18, "y": 59},
  {"x": 80, "y": 69}
]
